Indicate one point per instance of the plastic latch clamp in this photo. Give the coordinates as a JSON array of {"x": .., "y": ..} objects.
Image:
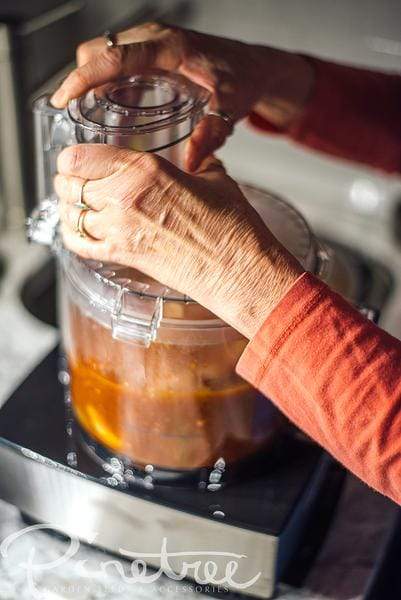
[
  {"x": 41, "y": 226},
  {"x": 138, "y": 320}
]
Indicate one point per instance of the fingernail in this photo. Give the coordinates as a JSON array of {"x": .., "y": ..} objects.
[{"x": 59, "y": 99}]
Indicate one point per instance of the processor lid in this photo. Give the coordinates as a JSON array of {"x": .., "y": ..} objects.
[
  {"x": 286, "y": 224},
  {"x": 151, "y": 112},
  {"x": 139, "y": 104}
]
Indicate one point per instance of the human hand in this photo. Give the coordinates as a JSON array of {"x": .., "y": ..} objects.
[
  {"x": 241, "y": 77},
  {"x": 194, "y": 233}
]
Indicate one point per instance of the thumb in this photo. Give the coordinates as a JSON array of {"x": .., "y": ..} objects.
[
  {"x": 116, "y": 62},
  {"x": 209, "y": 135}
]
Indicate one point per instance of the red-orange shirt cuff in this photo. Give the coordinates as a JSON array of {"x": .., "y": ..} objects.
[{"x": 299, "y": 301}]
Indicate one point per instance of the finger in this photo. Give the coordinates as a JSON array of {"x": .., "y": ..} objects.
[
  {"x": 88, "y": 50},
  {"x": 209, "y": 135},
  {"x": 112, "y": 63},
  {"x": 92, "y": 223},
  {"x": 142, "y": 33},
  {"x": 76, "y": 189},
  {"x": 84, "y": 246},
  {"x": 211, "y": 164},
  {"x": 213, "y": 171},
  {"x": 93, "y": 161}
]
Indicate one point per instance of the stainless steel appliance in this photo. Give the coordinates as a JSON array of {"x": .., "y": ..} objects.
[{"x": 153, "y": 377}]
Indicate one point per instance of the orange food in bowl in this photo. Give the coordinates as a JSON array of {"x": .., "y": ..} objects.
[{"x": 175, "y": 405}]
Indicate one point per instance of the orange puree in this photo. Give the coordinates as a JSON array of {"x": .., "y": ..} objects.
[{"x": 175, "y": 406}]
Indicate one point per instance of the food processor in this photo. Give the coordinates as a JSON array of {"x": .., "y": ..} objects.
[{"x": 152, "y": 373}]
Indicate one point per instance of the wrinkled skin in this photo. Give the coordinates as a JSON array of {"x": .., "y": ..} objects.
[
  {"x": 241, "y": 77},
  {"x": 194, "y": 233}
]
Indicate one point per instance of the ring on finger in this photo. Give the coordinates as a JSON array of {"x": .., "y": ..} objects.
[
  {"x": 80, "y": 227},
  {"x": 228, "y": 119},
  {"x": 110, "y": 38},
  {"x": 81, "y": 202}
]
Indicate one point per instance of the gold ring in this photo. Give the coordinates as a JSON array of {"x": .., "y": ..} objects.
[
  {"x": 80, "y": 228},
  {"x": 81, "y": 202},
  {"x": 222, "y": 115}
]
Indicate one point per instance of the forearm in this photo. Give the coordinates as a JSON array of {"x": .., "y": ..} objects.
[
  {"x": 335, "y": 375},
  {"x": 348, "y": 112},
  {"x": 252, "y": 275},
  {"x": 288, "y": 81},
  {"x": 258, "y": 288}
]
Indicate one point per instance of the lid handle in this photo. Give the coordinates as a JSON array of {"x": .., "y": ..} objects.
[
  {"x": 53, "y": 131},
  {"x": 136, "y": 320}
]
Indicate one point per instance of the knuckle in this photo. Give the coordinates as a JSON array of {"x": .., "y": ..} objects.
[
  {"x": 89, "y": 251},
  {"x": 147, "y": 163},
  {"x": 112, "y": 249},
  {"x": 114, "y": 57},
  {"x": 178, "y": 35},
  {"x": 83, "y": 51},
  {"x": 71, "y": 159},
  {"x": 65, "y": 215},
  {"x": 62, "y": 186},
  {"x": 76, "y": 158},
  {"x": 151, "y": 162},
  {"x": 154, "y": 27},
  {"x": 70, "y": 216},
  {"x": 79, "y": 79},
  {"x": 170, "y": 32}
]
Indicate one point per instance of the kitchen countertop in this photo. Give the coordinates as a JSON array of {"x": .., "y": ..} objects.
[{"x": 363, "y": 519}]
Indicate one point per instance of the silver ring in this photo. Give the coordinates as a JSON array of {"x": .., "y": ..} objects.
[
  {"x": 222, "y": 115},
  {"x": 110, "y": 38}
]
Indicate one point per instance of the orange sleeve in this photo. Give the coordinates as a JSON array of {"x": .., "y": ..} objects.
[
  {"x": 337, "y": 376},
  {"x": 352, "y": 113}
]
